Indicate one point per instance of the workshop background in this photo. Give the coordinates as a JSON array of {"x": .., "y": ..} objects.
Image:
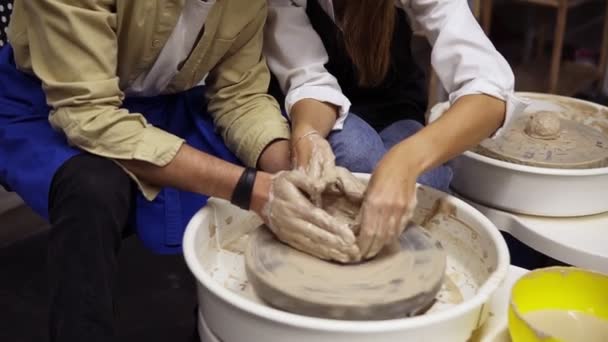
[{"x": 560, "y": 47}]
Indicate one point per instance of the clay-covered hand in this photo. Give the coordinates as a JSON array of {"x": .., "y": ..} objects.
[
  {"x": 342, "y": 199},
  {"x": 349, "y": 185},
  {"x": 293, "y": 218},
  {"x": 388, "y": 205},
  {"x": 313, "y": 154}
]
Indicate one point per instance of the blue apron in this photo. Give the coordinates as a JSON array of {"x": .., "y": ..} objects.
[{"x": 31, "y": 151}]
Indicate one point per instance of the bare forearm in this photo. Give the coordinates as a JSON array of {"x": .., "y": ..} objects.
[
  {"x": 312, "y": 115},
  {"x": 470, "y": 120},
  {"x": 190, "y": 170},
  {"x": 275, "y": 157}
]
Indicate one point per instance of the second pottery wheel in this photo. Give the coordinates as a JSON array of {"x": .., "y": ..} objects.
[
  {"x": 401, "y": 281},
  {"x": 540, "y": 174},
  {"x": 546, "y": 140}
]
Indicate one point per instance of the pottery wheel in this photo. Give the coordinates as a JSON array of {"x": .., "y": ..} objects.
[
  {"x": 401, "y": 281},
  {"x": 572, "y": 146}
]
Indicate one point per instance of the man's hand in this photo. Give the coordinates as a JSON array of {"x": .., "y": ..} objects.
[
  {"x": 275, "y": 157},
  {"x": 294, "y": 219},
  {"x": 261, "y": 193}
]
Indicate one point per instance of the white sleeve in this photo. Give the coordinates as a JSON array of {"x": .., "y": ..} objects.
[
  {"x": 463, "y": 57},
  {"x": 296, "y": 56}
]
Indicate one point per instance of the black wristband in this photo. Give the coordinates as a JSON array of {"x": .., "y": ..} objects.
[{"x": 241, "y": 196}]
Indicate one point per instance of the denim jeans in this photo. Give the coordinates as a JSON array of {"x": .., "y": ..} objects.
[{"x": 358, "y": 147}]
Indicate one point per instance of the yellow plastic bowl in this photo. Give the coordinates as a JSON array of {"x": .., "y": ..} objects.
[{"x": 560, "y": 288}]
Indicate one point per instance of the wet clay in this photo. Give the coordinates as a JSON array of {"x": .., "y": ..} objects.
[
  {"x": 568, "y": 326},
  {"x": 295, "y": 276},
  {"x": 544, "y": 125},
  {"x": 401, "y": 281},
  {"x": 590, "y": 114},
  {"x": 297, "y": 217},
  {"x": 318, "y": 216},
  {"x": 342, "y": 199}
]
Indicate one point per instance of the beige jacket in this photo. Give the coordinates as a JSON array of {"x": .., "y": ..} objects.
[{"x": 86, "y": 52}]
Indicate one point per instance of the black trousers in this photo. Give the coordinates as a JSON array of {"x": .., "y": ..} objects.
[{"x": 90, "y": 202}]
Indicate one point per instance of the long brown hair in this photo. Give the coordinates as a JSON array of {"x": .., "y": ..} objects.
[{"x": 368, "y": 27}]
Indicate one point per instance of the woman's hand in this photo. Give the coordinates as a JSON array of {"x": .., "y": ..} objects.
[
  {"x": 389, "y": 203},
  {"x": 391, "y": 195},
  {"x": 293, "y": 218},
  {"x": 313, "y": 155},
  {"x": 312, "y": 121}
]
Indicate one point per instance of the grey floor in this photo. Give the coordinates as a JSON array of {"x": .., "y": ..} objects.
[{"x": 156, "y": 295}]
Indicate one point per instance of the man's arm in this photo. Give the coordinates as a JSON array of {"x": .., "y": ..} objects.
[
  {"x": 195, "y": 171},
  {"x": 78, "y": 38},
  {"x": 248, "y": 119}
]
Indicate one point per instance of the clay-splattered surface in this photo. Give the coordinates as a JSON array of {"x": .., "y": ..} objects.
[
  {"x": 471, "y": 254},
  {"x": 576, "y": 146},
  {"x": 401, "y": 281},
  {"x": 588, "y": 113},
  {"x": 581, "y": 141}
]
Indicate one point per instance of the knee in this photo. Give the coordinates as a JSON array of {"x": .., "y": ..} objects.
[
  {"x": 399, "y": 131},
  {"x": 438, "y": 178},
  {"x": 405, "y": 128},
  {"x": 92, "y": 186},
  {"x": 357, "y": 146}
]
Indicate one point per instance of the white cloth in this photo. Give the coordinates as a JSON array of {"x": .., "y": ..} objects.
[
  {"x": 175, "y": 51},
  {"x": 464, "y": 59}
]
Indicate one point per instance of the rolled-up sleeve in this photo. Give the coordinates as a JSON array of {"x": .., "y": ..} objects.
[
  {"x": 73, "y": 49},
  {"x": 246, "y": 116},
  {"x": 463, "y": 57},
  {"x": 297, "y": 57}
]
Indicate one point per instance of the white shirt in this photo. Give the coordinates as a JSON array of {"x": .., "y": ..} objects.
[
  {"x": 463, "y": 57},
  {"x": 175, "y": 51}
]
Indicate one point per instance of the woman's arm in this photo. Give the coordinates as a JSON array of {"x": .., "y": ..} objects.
[
  {"x": 481, "y": 85},
  {"x": 471, "y": 119},
  {"x": 390, "y": 196},
  {"x": 311, "y": 117},
  {"x": 463, "y": 57},
  {"x": 297, "y": 58}
]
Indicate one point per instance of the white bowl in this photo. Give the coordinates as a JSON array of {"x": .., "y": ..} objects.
[
  {"x": 536, "y": 190},
  {"x": 478, "y": 262}
]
